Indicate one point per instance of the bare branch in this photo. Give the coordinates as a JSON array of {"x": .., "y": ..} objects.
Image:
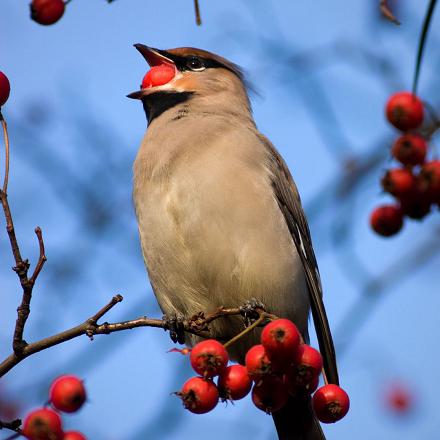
[
  {"x": 14, "y": 425},
  {"x": 197, "y": 325},
  {"x": 21, "y": 266}
]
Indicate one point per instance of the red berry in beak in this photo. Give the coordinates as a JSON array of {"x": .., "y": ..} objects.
[
  {"x": 158, "y": 76},
  {"x": 387, "y": 220},
  {"x": 405, "y": 111}
]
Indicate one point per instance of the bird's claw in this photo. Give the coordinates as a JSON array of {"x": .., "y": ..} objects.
[
  {"x": 175, "y": 323},
  {"x": 251, "y": 310}
]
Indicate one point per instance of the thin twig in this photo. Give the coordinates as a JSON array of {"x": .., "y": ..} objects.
[
  {"x": 386, "y": 12},
  {"x": 197, "y": 11},
  {"x": 263, "y": 317},
  {"x": 21, "y": 267},
  {"x": 41, "y": 259}
]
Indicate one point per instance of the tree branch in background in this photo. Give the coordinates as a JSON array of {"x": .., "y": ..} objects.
[
  {"x": 21, "y": 266},
  {"x": 14, "y": 425}
]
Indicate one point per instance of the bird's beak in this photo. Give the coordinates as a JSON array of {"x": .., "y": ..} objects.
[{"x": 154, "y": 57}]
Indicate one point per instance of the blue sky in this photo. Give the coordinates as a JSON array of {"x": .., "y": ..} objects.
[{"x": 322, "y": 73}]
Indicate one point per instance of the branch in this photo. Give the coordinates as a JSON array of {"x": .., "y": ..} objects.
[
  {"x": 14, "y": 425},
  {"x": 197, "y": 325},
  {"x": 21, "y": 266}
]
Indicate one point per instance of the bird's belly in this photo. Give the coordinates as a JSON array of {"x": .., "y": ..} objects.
[{"x": 208, "y": 245}]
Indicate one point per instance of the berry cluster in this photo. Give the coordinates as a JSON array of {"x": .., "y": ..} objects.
[
  {"x": 278, "y": 367},
  {"x": 47, "y": 12},
  {"x": 67, "y": 394},
  {"x": 415, "y": 184}
]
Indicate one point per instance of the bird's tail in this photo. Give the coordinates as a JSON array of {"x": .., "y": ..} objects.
[{"x": 296, "y": 420}]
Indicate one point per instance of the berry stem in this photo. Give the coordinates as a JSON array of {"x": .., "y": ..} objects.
[
  {"x": 197, "y": 11},
  {"x": 6, "y": 138},
  {"x": 422, "y": 41},
  {"x": 262, "y": 317}
]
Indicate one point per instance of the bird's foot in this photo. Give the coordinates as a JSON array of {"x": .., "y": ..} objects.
[
  {"x": 175, "y": 323},
  {"x": 251, "y": 310}
]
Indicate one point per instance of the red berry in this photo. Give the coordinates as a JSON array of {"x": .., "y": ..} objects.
[
  {"x": 47, "y": 11},
  {"x": 199, "y": 395},
  {"x": 208, "y": 358},
  {"x": 258, "y": 363},
  {"x": 430, "y": 179},
  {"x": 158, "y": 76},
  {"x": 410, "y": 149},
  {"x": 74, "y": 435},
  {"x": 330, "y": 403},
  {"x": 295, "y": 385},
  {"x": 281, "y": 340},
  {"x": 67, "y": 393},
  {"x": 43, "y": 424},
  {"x": 270, "y": 395},
  {"x": 399, "y": 399},
  {"x": 398, "y": 182},
  {"x": 416, "y": 204},
  {"x": 405, "y": 111},
  {"x": 5, "y": 88},
  {"x": 234, "y": 383},
  {"x": 308, "y": 365},
  {"x": 387, "y": 220}
]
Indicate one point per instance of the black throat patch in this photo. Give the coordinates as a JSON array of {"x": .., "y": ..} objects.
[{"x": 157, "y": 103}]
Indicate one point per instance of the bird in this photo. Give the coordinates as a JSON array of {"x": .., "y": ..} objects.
[{"x": 219, "y": 216}]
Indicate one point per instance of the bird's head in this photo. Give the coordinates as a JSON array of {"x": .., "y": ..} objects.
[{"x": 186, "y": 74}]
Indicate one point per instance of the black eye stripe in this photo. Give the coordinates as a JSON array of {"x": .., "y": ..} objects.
[{"x": 182, "y": 62}]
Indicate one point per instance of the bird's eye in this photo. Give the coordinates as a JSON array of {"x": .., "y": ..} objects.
[{"x": 195, "y": 64}]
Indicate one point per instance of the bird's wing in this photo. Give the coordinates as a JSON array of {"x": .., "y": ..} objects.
[{"x": 289, "y": 201}]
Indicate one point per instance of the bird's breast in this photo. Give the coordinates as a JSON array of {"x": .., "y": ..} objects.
[{"x": 211, "y": 231}]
